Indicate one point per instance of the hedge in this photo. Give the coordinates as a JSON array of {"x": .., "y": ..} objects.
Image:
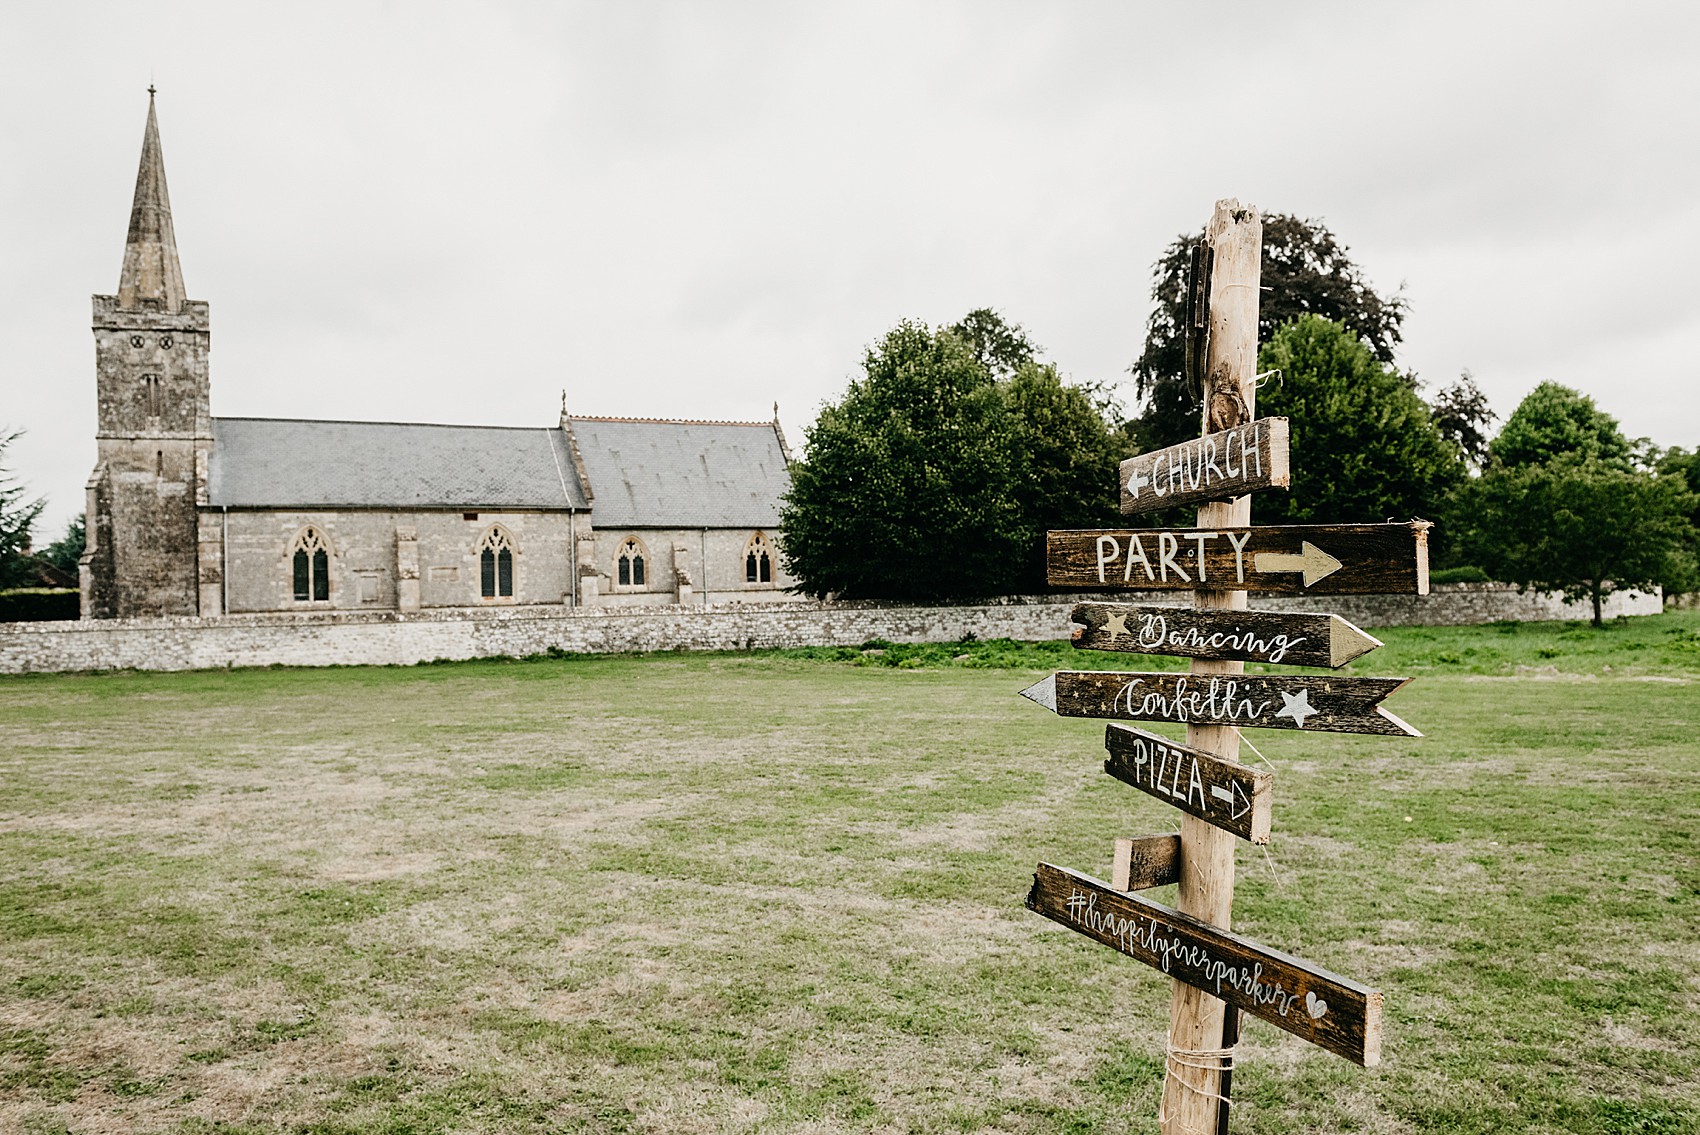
[
  {"x": 1459, "y": 575},
  {"x": 38, "y": 604}
]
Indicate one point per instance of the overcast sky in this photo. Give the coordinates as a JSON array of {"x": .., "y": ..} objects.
[{"x": 449, "y": 213}]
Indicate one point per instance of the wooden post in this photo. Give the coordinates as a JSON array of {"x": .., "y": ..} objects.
[{"x": 1196, "y": 1020}]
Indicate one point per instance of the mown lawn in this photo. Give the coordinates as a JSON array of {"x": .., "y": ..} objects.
[{"x": 781, "y": 892}]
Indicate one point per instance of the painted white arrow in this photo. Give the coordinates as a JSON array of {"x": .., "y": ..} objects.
[
  {"x": 1136, "y": 482},
  {"x": 1234, "y": 797},
  {"x": 1312, "y": 560}
]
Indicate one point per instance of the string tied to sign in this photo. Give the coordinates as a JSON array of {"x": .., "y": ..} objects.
[
  {"x": 1269, "y": 860},
  {"x": 1200, "y": 1061}
]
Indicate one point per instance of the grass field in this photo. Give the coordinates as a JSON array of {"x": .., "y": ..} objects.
[{"x": 781, "y": 892}]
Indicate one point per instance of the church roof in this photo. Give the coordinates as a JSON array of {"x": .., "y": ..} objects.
[
  {"x": 293, "y": 463},
  {"x": 652, "y": 473}
]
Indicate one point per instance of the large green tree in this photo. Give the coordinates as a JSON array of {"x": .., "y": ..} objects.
[
  {"x": 1306, "y": 271},
  {"x": 937, "y": 473},
  {"x": 17, "y": 516},
  {"x": 1556, "y": 421},
  {"x": 1364, "y": 446},
  {"x": 1581, "y": 525}
]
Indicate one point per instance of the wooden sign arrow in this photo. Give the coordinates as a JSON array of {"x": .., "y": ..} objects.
[
  {"x": 1314, "y": 559},
  {"x": 1224, "y": 794},
  {"x": 1296, "y": 639},
  {"x": 1323, "y": 703},
  {"x": 1218, "y": 466},
  {"x": 1321, "y": 1007}
]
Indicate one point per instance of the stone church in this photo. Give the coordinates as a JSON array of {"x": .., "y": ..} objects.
[{"x": 189, "y": 514}]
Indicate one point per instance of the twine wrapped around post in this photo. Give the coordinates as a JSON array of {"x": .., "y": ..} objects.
[{"x": 1210, "y": 1061}]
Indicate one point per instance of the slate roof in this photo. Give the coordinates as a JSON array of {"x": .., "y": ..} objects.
[
  {"x": 292, "y": 463},
  {"x": 666, "y": 474}
]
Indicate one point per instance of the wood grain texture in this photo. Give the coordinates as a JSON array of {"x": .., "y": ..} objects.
[
  {"x": 1215, "y": 467},
  {"x": 1143, "y": 862},
  {"x": 1293, "y": 559},
  {"x": 1290, "y": 639},
  {"x": 1322, "y": 703},
  {"x": 1223, "y": 793},
  {"x": 1206, "y": 889},
  {"x": 1327, "y": 1010}
]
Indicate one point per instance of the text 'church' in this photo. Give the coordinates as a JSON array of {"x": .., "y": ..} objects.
[{"x": 189, "y": 514}]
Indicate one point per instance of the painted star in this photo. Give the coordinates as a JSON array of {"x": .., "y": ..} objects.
[
  {"x": 1296, "y": 707},
  {"x": 1116, "y": 624}
]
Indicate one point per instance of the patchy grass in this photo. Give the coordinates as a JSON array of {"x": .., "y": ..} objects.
[{"x": 781, "y": 892}]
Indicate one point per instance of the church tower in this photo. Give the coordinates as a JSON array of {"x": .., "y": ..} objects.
[{"x": 154, "y": 432}]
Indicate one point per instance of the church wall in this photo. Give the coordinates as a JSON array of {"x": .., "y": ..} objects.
[
  {"x": 713, "y": 558},
  {"x": 362, "y": 557},
  {"x": 147, "y": 526},
  {"x": 449, "y": 557}
]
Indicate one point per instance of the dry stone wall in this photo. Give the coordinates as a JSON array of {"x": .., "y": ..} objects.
[{"x": 330, "y": 638}]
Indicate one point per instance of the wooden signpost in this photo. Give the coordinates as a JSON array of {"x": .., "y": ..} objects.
[
  {"x": 1247, "y": 636},
  {"x": 1322, "y": 704},
  {"x": 1224, "y": 794},
  {"x": 1308, "y": 1001},
  {"x": 1216, "y": 467},
  {"x": 1217, "y": 972},
  {"x": 1308, "y": 559}
]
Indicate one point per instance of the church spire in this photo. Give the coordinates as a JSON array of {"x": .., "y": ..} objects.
[{"x": 151, "y": 277}]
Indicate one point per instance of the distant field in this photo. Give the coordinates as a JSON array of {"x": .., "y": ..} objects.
[{"x": 781, "y": 892}]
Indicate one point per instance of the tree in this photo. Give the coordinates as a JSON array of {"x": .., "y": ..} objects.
[
  {"x": 903, "y": 491},
  {"x": 1002, "y": 348},
  {"x": 1065, "y": 461},
  {"x": 1364, "y": 446},
  {"x": 1462, "y": 414},
  {"x": 62, "y": 555},
  {"x": 1306, "y": 271},
  {"x": 1684, "y": 463},
  {"x": 938, "y": 471},
  {"x": 1555, "y": 421},
  {"x": 1582, "y": 525},
  {"x": 17, "y": 517}
]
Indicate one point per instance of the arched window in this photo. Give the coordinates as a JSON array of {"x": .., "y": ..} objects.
[
  {"x": 629, "y": 565},
  {"x": 496, "y": 565},
  {"x": 311, "y": 561},
  {"x": 758, "y": 560}
]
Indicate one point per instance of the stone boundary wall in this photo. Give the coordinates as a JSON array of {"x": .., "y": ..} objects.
[{"x": 329, "y": 638}]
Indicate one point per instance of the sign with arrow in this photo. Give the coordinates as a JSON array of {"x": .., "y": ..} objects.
[
  {"x": 1217, "y": 466},
  {"x": 1222, "y": 793},
  {"x": 1309, "y": 559},
  {"x": 1295, "y": 639},
  {"x": 1324, "y": 703},
  {"x": 1306, "y": 1000}
]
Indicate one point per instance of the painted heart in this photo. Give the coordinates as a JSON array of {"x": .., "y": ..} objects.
[{"x": 1315, "y": 1006}]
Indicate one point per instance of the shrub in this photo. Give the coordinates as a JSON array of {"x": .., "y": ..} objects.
[
  {"x": 1468, "y": 574},
  {"x": 38, "y": 604}
]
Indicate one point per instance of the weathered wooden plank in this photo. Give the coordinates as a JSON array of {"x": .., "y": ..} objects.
[
  {"x": 1324, "y": 703},
  {"x": 1217, "y": 466},
  {"x": 1295, "y": 639},
  {"x": 1224, "y": 794},
  {"x": 1146, "y": 861},
  {"x": 1308, "y": 1001},
  {"x": 1311, "y": 559}
]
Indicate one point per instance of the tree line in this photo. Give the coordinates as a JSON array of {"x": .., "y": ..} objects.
[{"x": 938, "y": 471}]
